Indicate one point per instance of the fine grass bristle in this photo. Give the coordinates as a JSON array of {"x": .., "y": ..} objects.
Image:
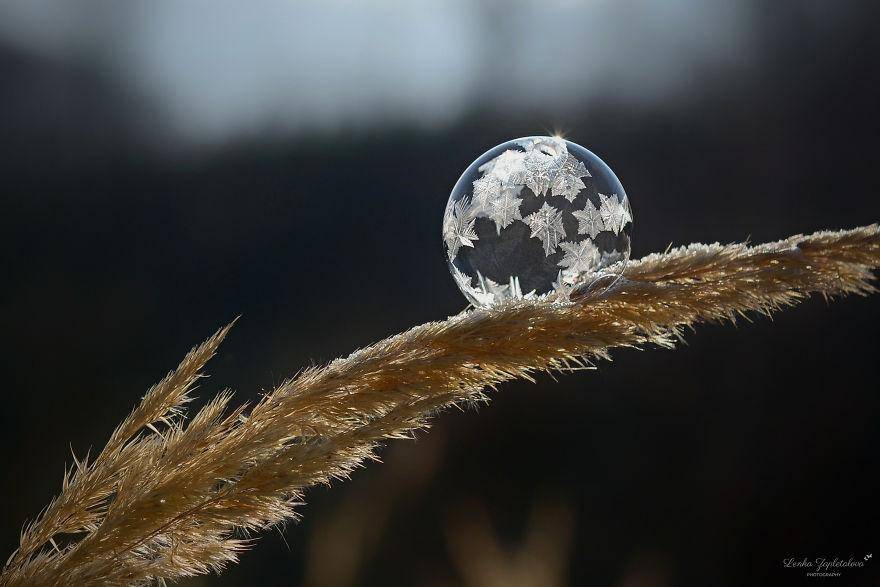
[{"x": 167, "y": 499}]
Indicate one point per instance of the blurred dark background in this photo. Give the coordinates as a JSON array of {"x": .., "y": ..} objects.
[{"x": 166, "y": 167}]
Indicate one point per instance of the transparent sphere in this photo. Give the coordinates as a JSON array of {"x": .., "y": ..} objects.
[{"x": 532, "y": 217}]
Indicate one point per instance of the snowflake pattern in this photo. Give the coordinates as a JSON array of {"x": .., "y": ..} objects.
[
  {"x": 546, "y": 225},
  {"x": 505, "y": 209},
  {"x": 589, "y": 220},
  {"x": 462, "y": 280},
  {"x": 485, "y": 191},
  {"x": 614, "y": 213},
  {"x": 540, "y": 169},
  {"x": 579, "y": 256},
  {"x": 458, "y": 227},
  {"x": 568, "y": 182}
]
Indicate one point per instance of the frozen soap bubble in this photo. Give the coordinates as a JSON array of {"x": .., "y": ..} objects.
[{"x": 532, "y": 217}]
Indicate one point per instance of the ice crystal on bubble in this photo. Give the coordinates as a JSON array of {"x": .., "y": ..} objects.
[
  {"x": 580, "y": 256},
  {"x": 614, "y": 215},
  {"x": 546, "y": 225},
  {"x": 589, "y": 220},
  {"x": 505, "y": 209},
  {"x": 458, "y": 227},
  {"x": 568, "y": 182}
]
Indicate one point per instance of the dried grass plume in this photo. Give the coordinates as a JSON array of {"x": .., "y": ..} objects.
[{"x": 169, "y": 498}]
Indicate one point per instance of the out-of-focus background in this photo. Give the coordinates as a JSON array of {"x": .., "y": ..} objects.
[{"x": 167, "y": 166}]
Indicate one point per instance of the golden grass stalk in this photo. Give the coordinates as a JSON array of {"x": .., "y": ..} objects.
[{"x": 167, "y": 499}]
